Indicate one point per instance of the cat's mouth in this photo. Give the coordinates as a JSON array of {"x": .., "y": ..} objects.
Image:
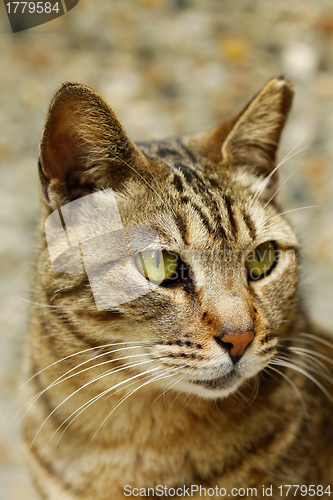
[{"x": 223, "y": 382}]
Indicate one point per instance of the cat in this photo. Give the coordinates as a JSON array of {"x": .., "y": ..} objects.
[{"x": 188, "y": 363}]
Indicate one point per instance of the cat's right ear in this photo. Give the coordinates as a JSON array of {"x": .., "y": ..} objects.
[{"x": 84, "y": 147}]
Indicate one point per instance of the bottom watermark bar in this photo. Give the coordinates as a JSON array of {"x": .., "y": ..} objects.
[{"x": 283, "y": 490}]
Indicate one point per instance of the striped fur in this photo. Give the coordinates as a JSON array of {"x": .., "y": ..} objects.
[{"x": 143, "y": 394}]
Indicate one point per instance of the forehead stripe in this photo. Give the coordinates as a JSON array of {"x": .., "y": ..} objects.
[
  {"x": 204, "y": 218},
  {"x": 177, "y": 182},
  {"x": 250, "y": 225},
  {"x": 232, "y": 219}
]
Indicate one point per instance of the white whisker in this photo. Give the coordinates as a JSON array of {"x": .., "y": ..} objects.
[
  {"x": 283, "y": 183},
  {"x": 168, "y": 389},
  {"x": 80, "y": 388},
  {"x": 319, "y": 339},
  {"x": 36, "y": 303},
  {"x": 312, "y": 361},
  {"x": 130, "y": 394},
  {"x": 145, "y": 180},
  {"x": 306, "y": 374},
  {"x": 312, "y": 353},
  {"x": 83, "y": 352},
  {"x": 59, "y": 380},
  {"x": 256, "y": 385},
  {"x": 313, "y": 369},
  {"x": 85, "y": 406},
  {"x": 34, "y": 398},
  {"x": 297, "y": 391},
  {"x": 268, "y": 178},
  {"x": 287, "y": 212}
]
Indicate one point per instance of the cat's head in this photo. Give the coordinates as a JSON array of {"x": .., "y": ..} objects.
[{"x": 178, "y": 245}]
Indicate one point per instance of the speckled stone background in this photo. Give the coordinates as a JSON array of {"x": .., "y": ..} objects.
[{"x": 167, "y": 67}]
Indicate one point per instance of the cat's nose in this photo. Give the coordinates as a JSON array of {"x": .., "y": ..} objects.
[{"x": 235, "y": 343}]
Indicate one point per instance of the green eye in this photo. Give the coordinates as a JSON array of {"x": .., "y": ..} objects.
[
  {"x": 260, "y": 261},
  {"x": 158, "y": 266}
]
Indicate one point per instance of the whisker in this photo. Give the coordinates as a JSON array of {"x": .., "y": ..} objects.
[
  {"x": 86, "y": 406},
  {"x": 62, "y": 360},
  {"x": 168, "y": 389},
  {"x": 306, "y": 374},
  {"x": 33, "y": 400},
  {"x": 188, "y": 399},
  {"x": 83, "y": 352},
  {"x": 268, "y": 178},
  {"x": 36, "y": 303},
  {"x": 256, "y": 385},
  {"x": 313, "y": 361},
  {"x": 287, "y": 212},
  {"x": 151, "y": 187},
  {"x": 283, "y": 183},
  {"x": 312, "y": 368},
  {"x": 151, "y": 173},
  {"x": 63, "y": 376},
  {"x": 130, "y": 394},
  {"x": 317, "y": 338},
  {"x": 298, "y": 393},
  {"x": 239, "y": 394},
  {"x": 312, "y": 353},
  {"x": 175, "y": 399},
  {"x": 80, "y": 388},
  {"x": 288, "y": 339},
  {"x": 126, "y": 386},
  {"x": 287, "y": 157}
]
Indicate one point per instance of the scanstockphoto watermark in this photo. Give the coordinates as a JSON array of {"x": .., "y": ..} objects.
[
  {"x": 189, "y": 491},
  {"x": 264, "y": 491},
  {"x": 124, "y": 263},
  {"x": 27, "y": 15}
]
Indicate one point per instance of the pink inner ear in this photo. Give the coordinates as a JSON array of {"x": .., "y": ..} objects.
[
  {"x": 63, "y": 151},
  {"x": 64, "y": 155},
  {"x": 77, "y": 148}
]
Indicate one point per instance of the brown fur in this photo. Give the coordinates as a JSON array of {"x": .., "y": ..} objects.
[{"x": 213, "y": 427}]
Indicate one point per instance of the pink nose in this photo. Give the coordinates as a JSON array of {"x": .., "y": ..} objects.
[{"x": 238, "y": 341}]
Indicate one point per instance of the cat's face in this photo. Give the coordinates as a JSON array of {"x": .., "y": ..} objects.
[{"x": 223, "y": 269}]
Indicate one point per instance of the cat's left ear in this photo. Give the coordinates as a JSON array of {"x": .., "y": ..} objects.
[{"x": 255, "y": 135}]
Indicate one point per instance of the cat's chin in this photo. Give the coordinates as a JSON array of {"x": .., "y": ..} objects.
[{"x": 220, "y": 387}]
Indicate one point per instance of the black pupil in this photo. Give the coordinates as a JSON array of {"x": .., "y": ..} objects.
[{"x": 158, "y": 259}]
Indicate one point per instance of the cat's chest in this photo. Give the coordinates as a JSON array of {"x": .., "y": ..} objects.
[{"x": 165, "y": 443}]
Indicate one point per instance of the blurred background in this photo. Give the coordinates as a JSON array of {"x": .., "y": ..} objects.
[{"x": 167, "y": 67}]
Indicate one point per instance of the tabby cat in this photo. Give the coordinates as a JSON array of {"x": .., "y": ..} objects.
[{"x": 211, "y": 376}]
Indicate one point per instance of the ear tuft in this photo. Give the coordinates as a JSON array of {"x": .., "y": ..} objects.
[{"x": 254, "y": 139}]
